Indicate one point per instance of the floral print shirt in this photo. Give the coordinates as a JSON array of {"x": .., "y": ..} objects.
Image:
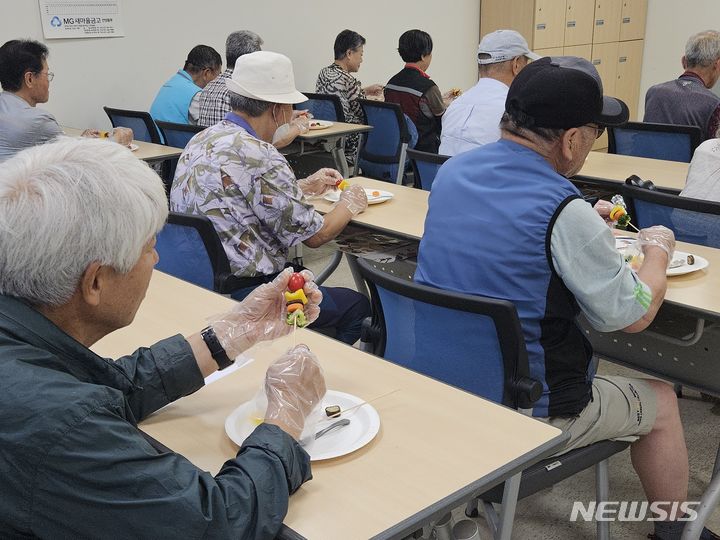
[{"x": 248, "y": 191}]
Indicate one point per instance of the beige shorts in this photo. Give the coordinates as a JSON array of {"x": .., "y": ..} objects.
[{"x": 621, "y": 409}]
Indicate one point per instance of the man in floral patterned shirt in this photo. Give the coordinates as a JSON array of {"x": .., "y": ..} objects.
[{"x": 232, "y": 174}]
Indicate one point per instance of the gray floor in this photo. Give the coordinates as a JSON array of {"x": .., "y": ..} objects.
[{"x": 546, "y": 515}]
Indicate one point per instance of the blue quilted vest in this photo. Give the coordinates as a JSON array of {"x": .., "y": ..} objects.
[
  {"x": 173, "y": 99},
  {"x": 487, "y": 232}
]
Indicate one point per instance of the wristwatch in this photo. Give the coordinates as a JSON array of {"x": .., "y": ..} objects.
[{"x": 216, "y": 349}]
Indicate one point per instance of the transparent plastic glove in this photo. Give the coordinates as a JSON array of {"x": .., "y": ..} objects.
[
  {"x": 262, "y": 315},
  {"x": 374, "y": 90},
  {"x": 353, "y": 199},
  {"x": 320, "y": 181},
  {"x": 294, "y": 387},
  {"x": 301, "y": 122},
  {"x": 603, "y": 208},
  {"x": 659, "y": 236},
  {"x": 122, "y": 135}
]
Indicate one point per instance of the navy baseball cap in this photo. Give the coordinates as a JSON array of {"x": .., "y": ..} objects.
[{"x": 562, "y": 92}]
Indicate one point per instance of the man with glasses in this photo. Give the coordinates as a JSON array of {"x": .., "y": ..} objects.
[
  {"x": 505, "y": 222},
  {"x": 25, "y": 80},
  {"x": 178, "y": 100}
]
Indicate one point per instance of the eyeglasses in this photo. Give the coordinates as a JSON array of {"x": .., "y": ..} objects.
[
  {"x": 50, "y": 75},
  {"x": 599, "y": 130}
]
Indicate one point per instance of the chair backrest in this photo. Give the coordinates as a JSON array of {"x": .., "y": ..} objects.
[
  {"x": 323, "y": 106},
  {"x": 383, "y": 149},
  {"x": 190, "y": 249},
  {"x": 692, "y": 220},
  {"x": 658, "y": 141},
  {"x": 142, "y": 124},
  {"x": 425, "y": 166},
  {"x": 470, "y": 342},
  {"x": 177, "y": 135}
]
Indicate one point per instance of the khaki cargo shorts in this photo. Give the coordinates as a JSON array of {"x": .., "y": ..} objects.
[{"x": 621, "y": 409}]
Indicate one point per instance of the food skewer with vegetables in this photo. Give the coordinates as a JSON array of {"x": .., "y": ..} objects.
[{"x": 295, "y": 299}]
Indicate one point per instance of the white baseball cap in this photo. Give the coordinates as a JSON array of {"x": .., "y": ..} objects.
[
  {"x": 503, "y": 45},
  {"x": 265, "y": 76}
]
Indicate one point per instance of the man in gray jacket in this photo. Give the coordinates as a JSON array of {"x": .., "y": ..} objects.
[{"x": 78, "y": 220}]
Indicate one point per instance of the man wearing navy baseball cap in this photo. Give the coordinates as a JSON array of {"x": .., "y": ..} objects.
[{"x": 505, "y": 222}]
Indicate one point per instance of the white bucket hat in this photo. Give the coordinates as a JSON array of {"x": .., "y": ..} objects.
[{"x": 265, "y": 76}]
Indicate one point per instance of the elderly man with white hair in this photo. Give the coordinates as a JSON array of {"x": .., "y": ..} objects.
[
  {"x": 232, "y": 174},
  {"x": 78, "y": 220},
  {"x": 689, "y": 99}
]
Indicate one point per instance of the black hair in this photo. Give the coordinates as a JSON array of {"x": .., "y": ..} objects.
[
  {"x": 345, "y": 41},
  {"x": 414, "y": 44},
  {"x": 17, "y": 57},
  {"x": 202, "y": 57}
]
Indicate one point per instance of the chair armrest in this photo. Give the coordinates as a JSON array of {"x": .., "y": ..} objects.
[{"x": 528, "y": 391}]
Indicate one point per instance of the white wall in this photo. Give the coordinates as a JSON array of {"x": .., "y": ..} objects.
[
  {"x": 669, "y": 24},
  {"x": 126, "y": 72}
]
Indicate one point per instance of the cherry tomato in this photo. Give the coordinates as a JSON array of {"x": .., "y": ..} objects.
[{"x": 296, "y": 282}]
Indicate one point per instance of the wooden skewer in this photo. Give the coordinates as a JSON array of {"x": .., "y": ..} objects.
[{"x": 364, "y": 403}]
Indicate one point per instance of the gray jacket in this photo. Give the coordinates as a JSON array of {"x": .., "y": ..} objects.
[{"x": 75, "y": 465}]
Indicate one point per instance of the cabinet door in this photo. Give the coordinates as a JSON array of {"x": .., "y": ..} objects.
[
  {"x": 629, "y": 66},
  {"x": 579, "y": 22},
  {"x": 607, "y": 21},
  {"x": 549, "y": 24},
  {"x": 604, "y": 58},
  {"x": 552, "y": 51},
  {"x": 515, "y": 15},
  {"x": 583, "y": 51},
  {"x": 634, "y": 13}
]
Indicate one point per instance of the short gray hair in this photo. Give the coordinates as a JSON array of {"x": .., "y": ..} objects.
[
  {"x": 703, "y": 49},
  {"x": 523, "y": 126},
  {"x": 252, "y": 107},
  {"x": 67, "y": 204},
  {"x": 239, "y": 43}
]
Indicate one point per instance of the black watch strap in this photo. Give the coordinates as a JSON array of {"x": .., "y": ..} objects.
[{"x": 216, "y": 349}]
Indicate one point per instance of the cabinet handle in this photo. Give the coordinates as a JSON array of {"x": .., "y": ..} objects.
[
  {"x": 599, "y": 22},
  {"x": 571, "y": 24},
  {"x": 622, "y": 59},
  {"x": 597, "y": 62},
  {"x": 540, "y": 26},
  {"x": 626, "y": 20}
]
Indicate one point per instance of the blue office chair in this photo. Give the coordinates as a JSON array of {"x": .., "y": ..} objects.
[
  {"x": 142, "y": 124},
  {"x": 692, "y": 220},
  {"x": 657, "y": 141},
  {"x": 322, "y": 106},
  {"x": 177, "y": 135},
  {"x": 425, "y": 166},
  {"x": 384, "y": 149},
  {"x": 476, "y": 344},
  {"x": 190, "y": 249}
]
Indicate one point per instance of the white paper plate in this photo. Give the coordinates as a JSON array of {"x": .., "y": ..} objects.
[
  {"x": 624, "y": 242},
  {"x": 364, "y": 425},
  {"x": 133, "y": 147},
  {"x": 320, "y": 124},
  {"x": 334, "y": 196}
]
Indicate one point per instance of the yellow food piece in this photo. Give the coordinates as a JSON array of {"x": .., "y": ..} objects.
[
  {"x": 297, "y": 295},
  {"x": 617, "y": 212},
  {"x": 342, "y": 186}
]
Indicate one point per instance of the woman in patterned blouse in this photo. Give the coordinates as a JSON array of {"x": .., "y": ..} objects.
[{"x": 336, "y": 79}]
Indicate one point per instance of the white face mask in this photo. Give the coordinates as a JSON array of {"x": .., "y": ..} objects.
[
  {"x": 282, "y": 130},
  {"x": 281, "y": 133}
]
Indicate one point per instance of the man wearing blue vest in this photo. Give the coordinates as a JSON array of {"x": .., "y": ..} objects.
[
  {"x": 505, "y": 222},
  {"x": 178, "y": 99}
]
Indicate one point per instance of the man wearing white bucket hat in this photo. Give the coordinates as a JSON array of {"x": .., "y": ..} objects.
[{"x": 234, "y": 175}]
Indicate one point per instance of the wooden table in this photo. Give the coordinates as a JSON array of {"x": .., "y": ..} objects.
[
  {"x": 403, "y": 215},
  {"x": 146, "y": 151},
  {"x": 437, "y": 446},
  {"x": 334, "y": 136},
  {"x": 608, "y": 169}
]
